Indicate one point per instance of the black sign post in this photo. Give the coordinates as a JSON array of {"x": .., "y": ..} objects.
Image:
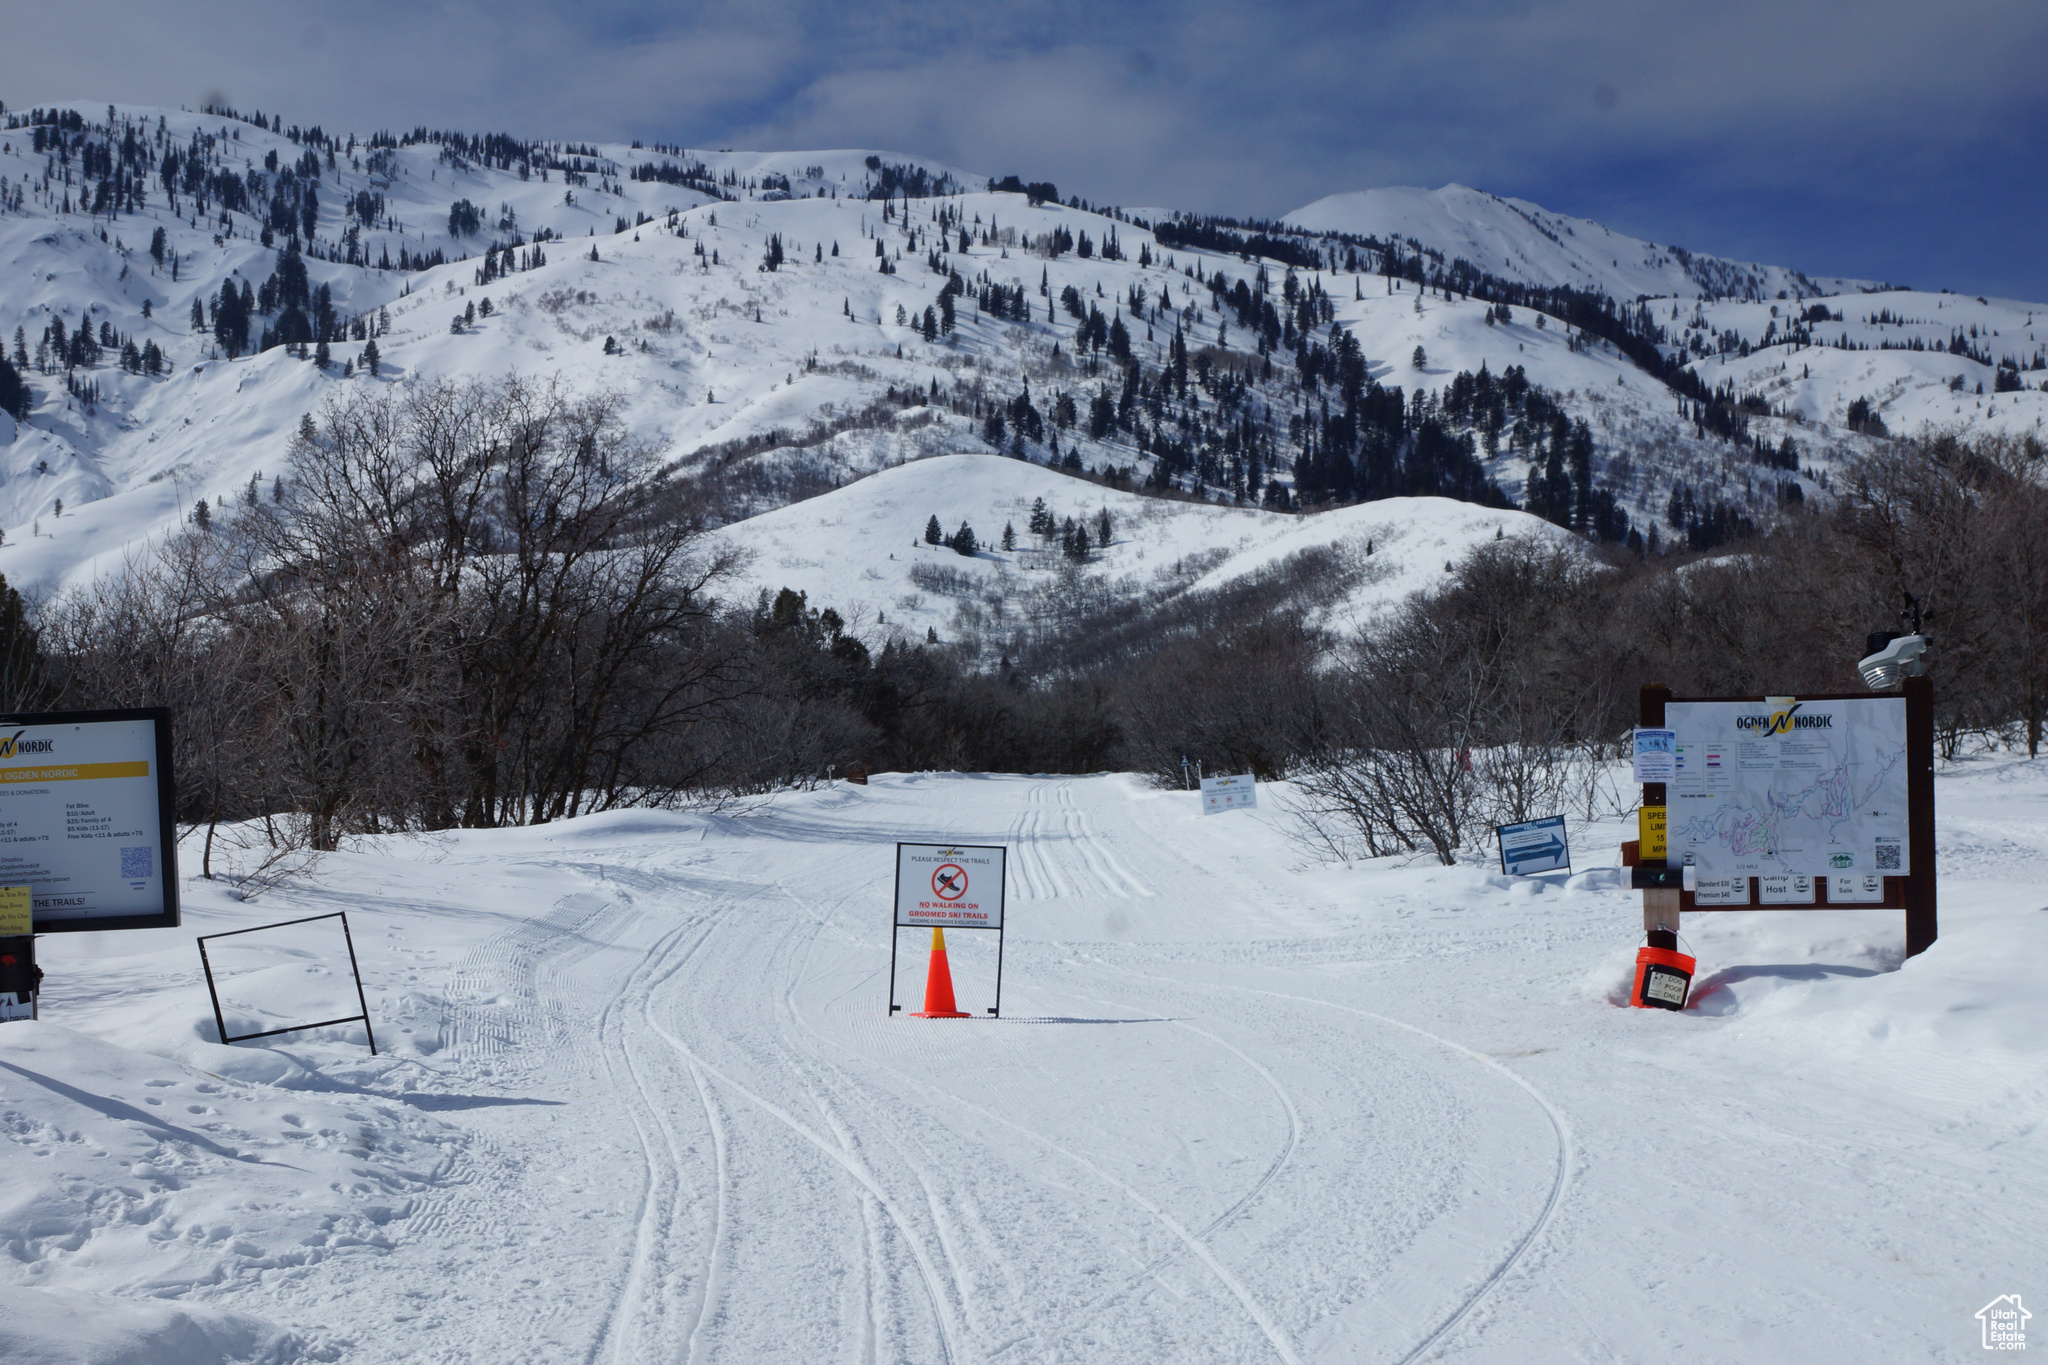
[{"x": 220, "y": 1021}]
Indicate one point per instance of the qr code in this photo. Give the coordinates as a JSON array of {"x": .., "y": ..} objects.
[
  {"x": 137, "y": 862},
  {"x": 1887, "y": 855}
]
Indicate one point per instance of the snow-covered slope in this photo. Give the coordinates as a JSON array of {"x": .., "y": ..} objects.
[
  {"x": 817, "y": 373},
  {"x": 1892, "y": 349},
  {"x": 1518, "y": 240},
  {"x": 640, "y": 1097},
  {"x": 861, "y": 549}
]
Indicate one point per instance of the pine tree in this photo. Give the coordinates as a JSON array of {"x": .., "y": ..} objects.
[
  {"x": 370, "y": 357},
  {"x": 933, "y": 535},
  {"x": 23, "y": 684},
  {"x": 1009, "y": 536},
  {"x": 1041, "y": 519},
  {"x": 964, "y": 542},
  {"x": 1102, "y": 527}
]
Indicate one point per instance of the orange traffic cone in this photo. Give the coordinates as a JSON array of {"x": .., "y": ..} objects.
[{"x": 938, "y": 984}]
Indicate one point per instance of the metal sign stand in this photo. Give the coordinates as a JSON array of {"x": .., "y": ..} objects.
[{"x": 220, "y": 1021}]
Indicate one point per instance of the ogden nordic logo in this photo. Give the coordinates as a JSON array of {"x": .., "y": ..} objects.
[
  {"x": 2005, "y": 1323},
  {"x": 14, "y": 746},
  {"x": 1785, "y": 721}
]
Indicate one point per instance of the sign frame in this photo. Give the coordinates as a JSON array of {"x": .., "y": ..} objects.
[
  {"x": 220, "y": 1021},
  {"x": 167, "y": 817},
  {"x": 1514, "y": 867},
  {"x": 897, "y": 924}
]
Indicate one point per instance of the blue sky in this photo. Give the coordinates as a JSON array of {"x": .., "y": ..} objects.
[{"x": 1906, "y": 142}]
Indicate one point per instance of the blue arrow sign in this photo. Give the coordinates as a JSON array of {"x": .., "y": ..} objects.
[{"x": 1534, "y": 846}]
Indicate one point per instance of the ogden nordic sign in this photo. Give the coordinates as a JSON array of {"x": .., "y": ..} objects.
[{"x": 86, "y": 818}]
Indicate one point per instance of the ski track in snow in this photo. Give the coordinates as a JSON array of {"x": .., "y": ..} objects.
[{"x": 1202, "y": 1129}]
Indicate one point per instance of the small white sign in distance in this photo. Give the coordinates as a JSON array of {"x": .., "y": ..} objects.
[
  {"x": 1229, "y": 793},
  {"x": 1534, "y": 846},
  {"x": 953, "y": 886}
]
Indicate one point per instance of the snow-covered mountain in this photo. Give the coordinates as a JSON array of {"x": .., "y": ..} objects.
[
  {"x": 645, "y": 271},
  {"x": 1519, "y": 240}
]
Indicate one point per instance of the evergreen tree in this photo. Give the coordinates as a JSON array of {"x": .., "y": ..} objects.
[
  {"x": 964, "y": 542},
  {"x": 23, "y": 678},
  {"x": 933, "y": 535},
  {"x": 15, "y": 396},
  {"x": 1009, "y": 536},
  {"x": 1102, "y": 527},
  {"x": 370, "y": 357},
  {"x": 1041, "y": 519}
]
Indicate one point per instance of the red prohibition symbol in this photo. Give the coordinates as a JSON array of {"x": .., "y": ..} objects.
[{"x": 949, "y": 882}]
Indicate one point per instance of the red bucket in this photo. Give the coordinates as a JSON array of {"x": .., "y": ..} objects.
[{"x": 1663, "y": 979}]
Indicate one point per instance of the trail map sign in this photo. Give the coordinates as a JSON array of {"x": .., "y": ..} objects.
[
  {"x": 86, "y": 818},
  {"x": 1808, "y": 788},
  {"x": 1790, "y": 803},
  {"x": 950, "y": 885},
  {"x": 1229, "y": 793},
  {"x": 1534, "y": 846}
]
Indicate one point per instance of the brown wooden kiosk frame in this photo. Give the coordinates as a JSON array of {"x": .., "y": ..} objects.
[{"x": 1914, "y": 893}]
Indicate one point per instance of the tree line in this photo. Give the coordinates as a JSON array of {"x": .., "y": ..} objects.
[{"x": 479, "y": 604}]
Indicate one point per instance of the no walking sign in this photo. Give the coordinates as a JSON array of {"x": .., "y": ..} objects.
[
  {"x": 947, "y": 886},
  {"x": 955, "y": 886}
]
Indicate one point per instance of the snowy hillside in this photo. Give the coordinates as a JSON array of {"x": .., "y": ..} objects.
[
  {"x": 861, "y": 549},
  {"x": 642, "y": 272},
  {"x": 1520, "y": 240},
  {"x": 1917, "y": 359},
  {"x": 639, "y": 1097}
]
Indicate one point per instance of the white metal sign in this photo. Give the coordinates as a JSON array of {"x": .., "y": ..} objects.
[
  {"x": 86, "y": 810},
  {"x": 1790, "y": 787},
  {"x": 950, "y": 885},
  {"x": 1229, "y": 793},
  {"x": 1534, "y": 846}
]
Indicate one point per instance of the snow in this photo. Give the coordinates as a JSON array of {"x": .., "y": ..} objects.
[
  {"x": 639, "y": 1097},
  {"x": 859, "y": 548},
  {"x": 713, "y": 354},
  {"x": 1517, "y": 240}
]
